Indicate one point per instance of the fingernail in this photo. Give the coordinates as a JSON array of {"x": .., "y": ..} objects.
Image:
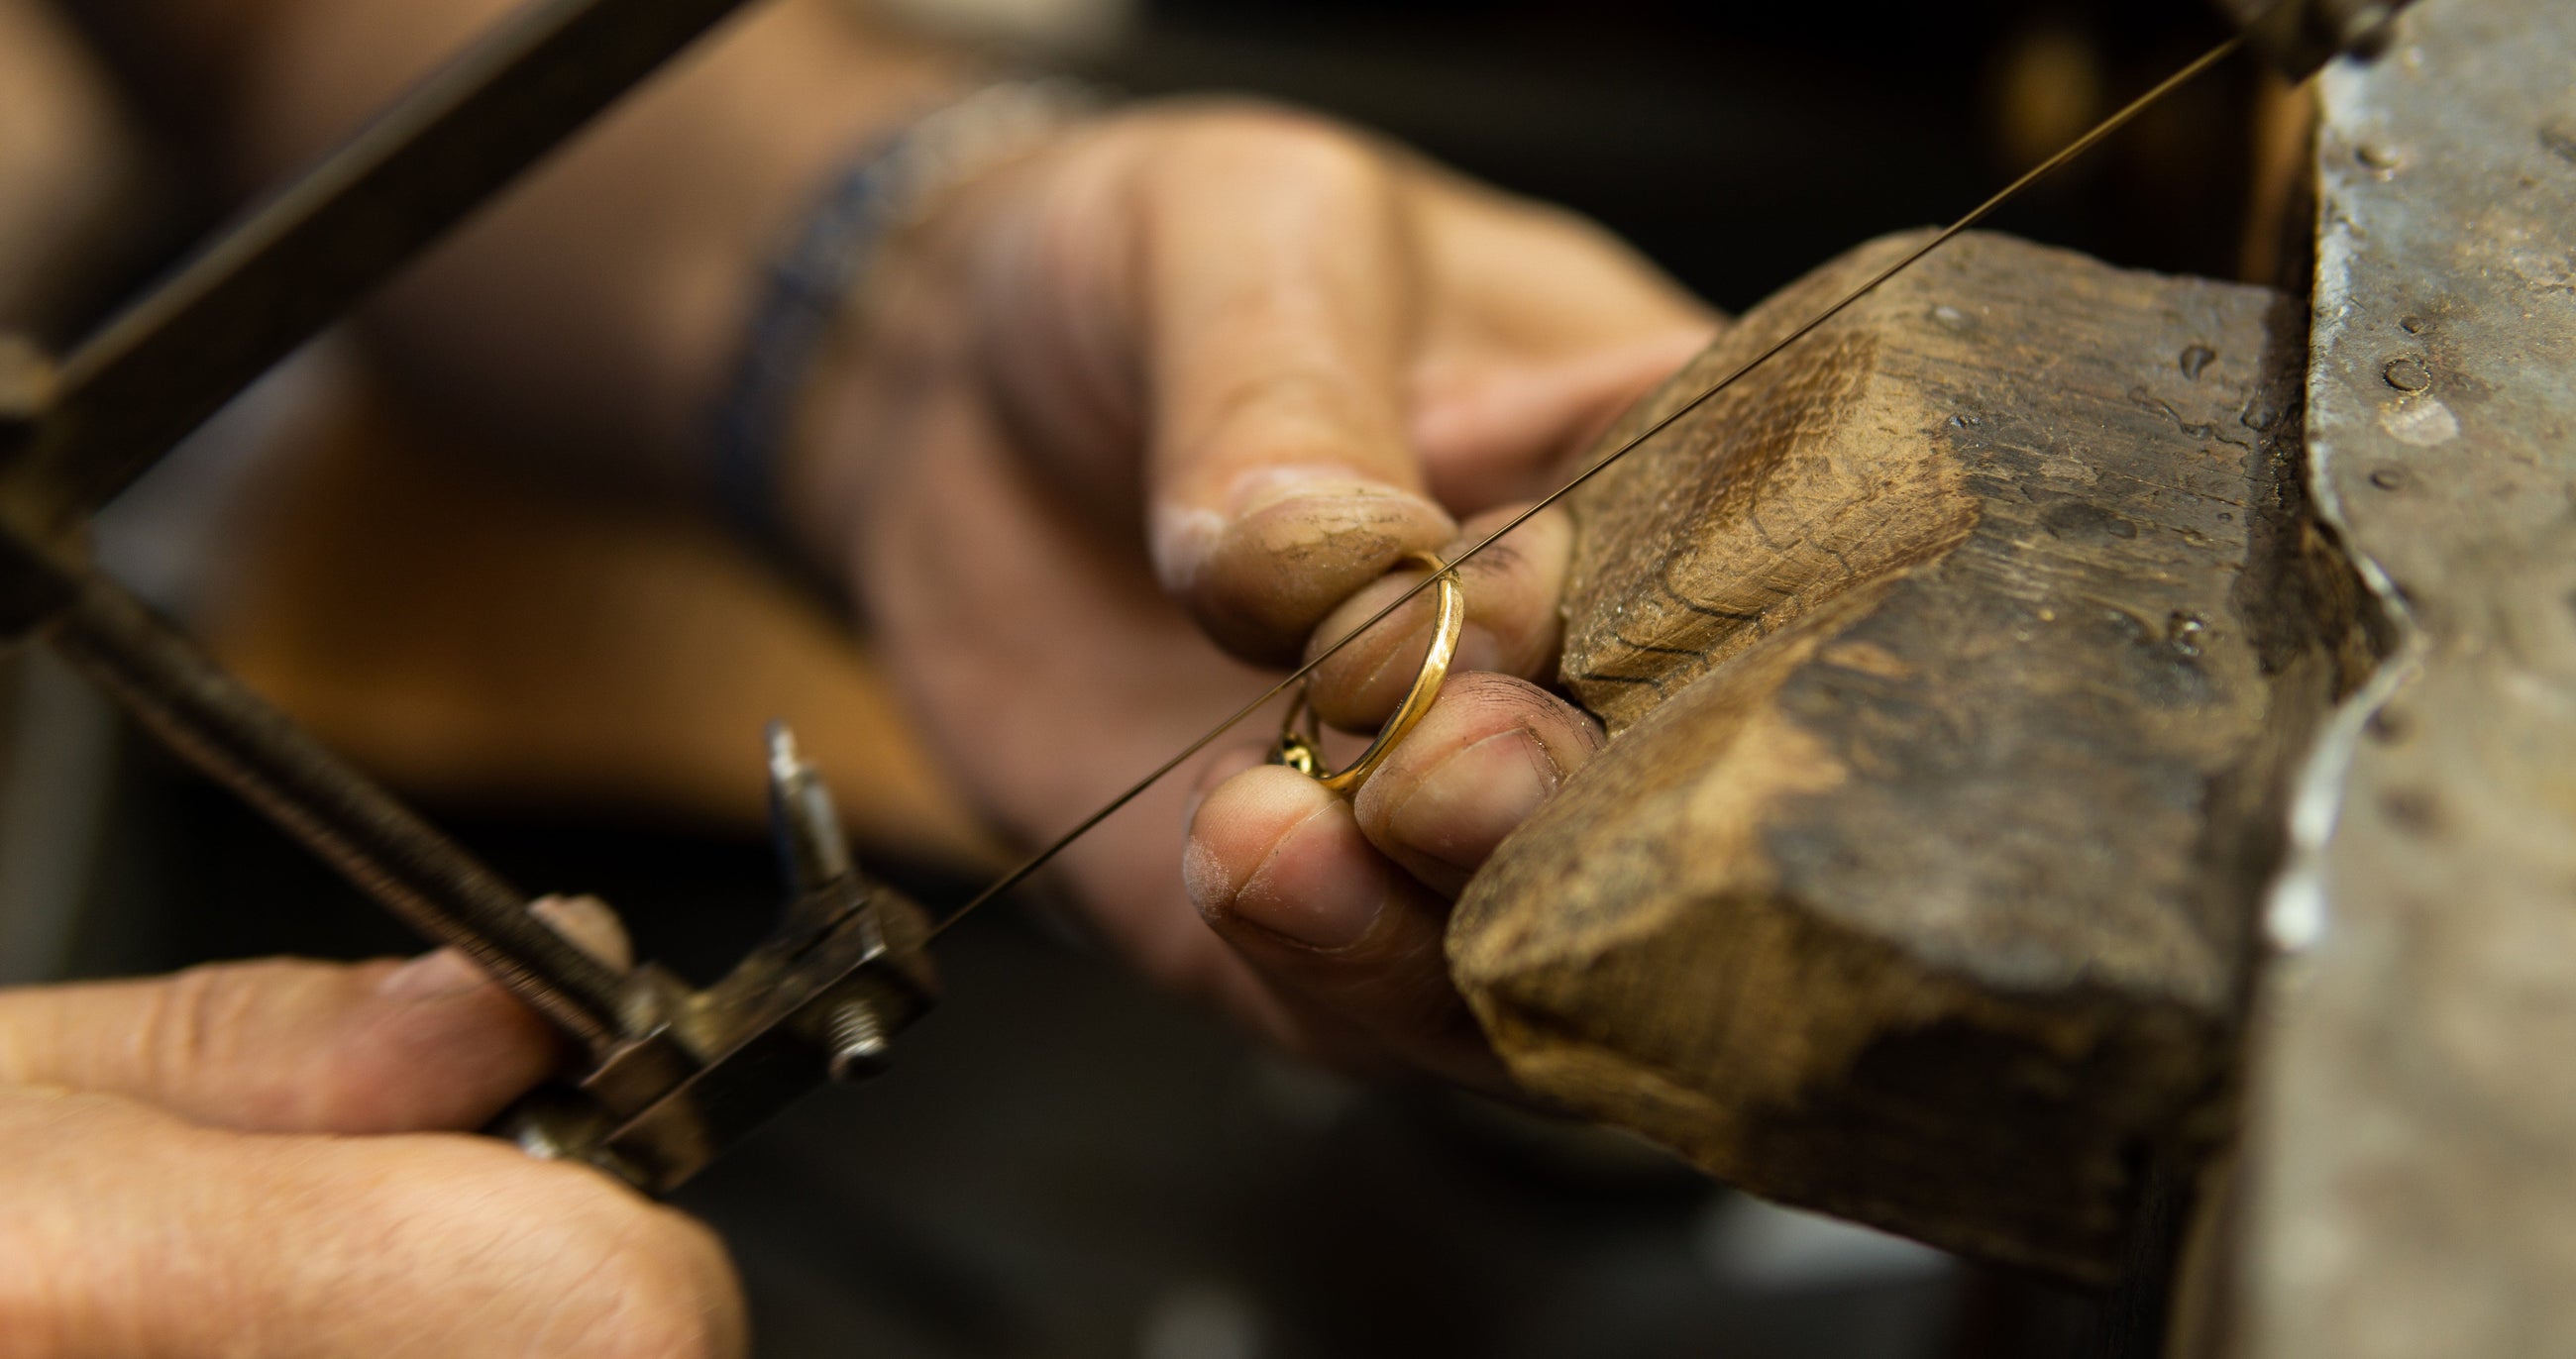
[
  {"x": 431, "y": 976},
  {"x": 588, "y": 923},
  {"x": 1256, "y": 491},
  {"x": 1333, "y": 498},
  {"x": 1467, "y": 803},
  {"x": 1323, "y": 885},
  {"x": 1203, "y": 875},
  {"x": 1183, "y": 540}
]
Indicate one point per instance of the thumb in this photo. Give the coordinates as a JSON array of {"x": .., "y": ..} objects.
[
  {"x": 283, "y": 1045},
  {"x": 130, "y": 1232}
]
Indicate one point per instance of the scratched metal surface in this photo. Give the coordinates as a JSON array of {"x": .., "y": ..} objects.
[{"x": 2413, "y": 1133}]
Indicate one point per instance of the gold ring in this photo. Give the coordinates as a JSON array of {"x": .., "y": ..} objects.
[{"x": 1303, "y": 752}]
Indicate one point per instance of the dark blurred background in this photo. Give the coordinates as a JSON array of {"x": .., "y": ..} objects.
[
  {"x": 1063, "y": 1163},
  {"x": 1741, "y": 144},
  {"x": 1738, "y": 144}
]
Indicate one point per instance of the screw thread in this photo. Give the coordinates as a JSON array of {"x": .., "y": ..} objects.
[{"x": 858, "y": 1040}]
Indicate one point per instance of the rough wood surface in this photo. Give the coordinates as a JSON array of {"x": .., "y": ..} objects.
[{"x": 1952, "y": 663}]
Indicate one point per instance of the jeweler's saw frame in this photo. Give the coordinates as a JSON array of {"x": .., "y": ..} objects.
[{"x": 668, "y": 1076}]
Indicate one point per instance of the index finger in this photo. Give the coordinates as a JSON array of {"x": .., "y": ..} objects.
[
  {"x": 290, "y": 1045},
  {"x": 1279, "y": 292}
]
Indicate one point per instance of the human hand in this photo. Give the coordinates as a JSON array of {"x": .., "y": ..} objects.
[
  {"x": 263, "y": 1158},
  {"x": 1207, "y": 371}
]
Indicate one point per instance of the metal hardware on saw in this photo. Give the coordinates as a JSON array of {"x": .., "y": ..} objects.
[
  {"x": 672, "y": 1076},
  {"x": 695, "y": 1071}
]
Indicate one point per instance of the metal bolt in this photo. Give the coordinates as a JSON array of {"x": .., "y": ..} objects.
[
  {"x": 812, "y": 849},
  {"x": 857, "y": 1039}
]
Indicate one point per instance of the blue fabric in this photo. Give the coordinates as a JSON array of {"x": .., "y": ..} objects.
[{"x": 800, "y": 295}]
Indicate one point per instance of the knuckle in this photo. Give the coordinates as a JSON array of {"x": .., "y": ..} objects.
[
  {"x": 661, "y": 1286},
  {"x": 1278, "y": 143},
  {"x": 694, "y": 1273},
  {"x": 668, "y": 1285},
  {"x": 189, "y": 1026},
  {"x": 662, "y": 1318},
  {"x": 1499, "y": 564},
  {"x": 1487, "y": 698}
]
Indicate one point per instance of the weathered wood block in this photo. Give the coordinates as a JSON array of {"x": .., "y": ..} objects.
[{"x": 1952, "y": 662}]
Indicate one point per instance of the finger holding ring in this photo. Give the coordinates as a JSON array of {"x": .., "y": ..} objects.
[{"x": 1302, "y": 751}]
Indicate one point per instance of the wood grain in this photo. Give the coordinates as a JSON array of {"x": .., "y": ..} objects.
[{"x": 1952, "y": 663}]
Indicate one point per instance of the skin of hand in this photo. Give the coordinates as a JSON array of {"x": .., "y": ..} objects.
[
  {"x": 1131, "y": 421},
  {"x": 267, "y": 1158},
  {"x": 1192, "y": 371}
]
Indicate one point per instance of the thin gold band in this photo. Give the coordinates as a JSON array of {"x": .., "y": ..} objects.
[{"x": 1302, "y": 751}]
